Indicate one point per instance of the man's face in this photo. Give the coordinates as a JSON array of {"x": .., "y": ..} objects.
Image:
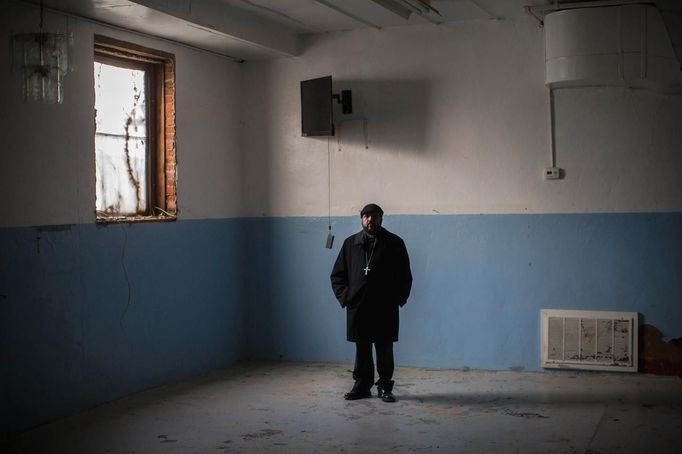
[{"x": 371, "y": 222}]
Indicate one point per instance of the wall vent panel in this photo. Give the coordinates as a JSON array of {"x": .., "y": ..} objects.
[{"x": 589, "y": 340}]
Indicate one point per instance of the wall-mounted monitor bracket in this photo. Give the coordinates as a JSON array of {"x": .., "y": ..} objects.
[{"x": 346, "y": 101}]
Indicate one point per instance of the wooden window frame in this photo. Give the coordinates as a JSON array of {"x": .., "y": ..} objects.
[{"x": 160, "y": 151}]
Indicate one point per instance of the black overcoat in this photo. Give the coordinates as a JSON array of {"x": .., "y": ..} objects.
[{"x": 372, "y": 300}]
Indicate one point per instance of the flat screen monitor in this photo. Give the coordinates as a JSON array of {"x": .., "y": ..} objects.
[{"x": 317, "y": 117}]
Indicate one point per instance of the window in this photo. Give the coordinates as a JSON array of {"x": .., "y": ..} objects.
[{"x": 134, "y": 132}]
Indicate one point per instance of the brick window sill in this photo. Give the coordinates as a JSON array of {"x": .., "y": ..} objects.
[{"x": 135, "y": 219}]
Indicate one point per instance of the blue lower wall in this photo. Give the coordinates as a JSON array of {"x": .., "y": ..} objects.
[
  {"x": 89, "y": 314},
  {"x": 479, "y": 283}
]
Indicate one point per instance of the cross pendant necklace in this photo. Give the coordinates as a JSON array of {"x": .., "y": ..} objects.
[{"x": 367, "y": 260}]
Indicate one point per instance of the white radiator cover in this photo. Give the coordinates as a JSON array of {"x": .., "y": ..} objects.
[{"x": 589, "y": 340}]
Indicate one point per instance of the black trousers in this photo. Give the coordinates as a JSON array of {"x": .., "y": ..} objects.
[{"x": 363, "y": 373}]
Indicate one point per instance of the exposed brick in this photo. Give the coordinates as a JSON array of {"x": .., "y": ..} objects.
[{"x": 169, "y": 136}]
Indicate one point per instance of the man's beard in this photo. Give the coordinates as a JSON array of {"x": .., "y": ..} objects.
[{"x": 375, "y": 229}]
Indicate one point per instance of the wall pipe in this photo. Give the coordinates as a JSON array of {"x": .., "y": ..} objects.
[{"x": 552, "y": 128}]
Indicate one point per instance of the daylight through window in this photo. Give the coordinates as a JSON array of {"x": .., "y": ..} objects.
[{"x": 134, "y": 133}]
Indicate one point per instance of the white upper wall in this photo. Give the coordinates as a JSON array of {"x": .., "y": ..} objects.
[
  {"x": 447, "y": 119},
  {"x": 47, "y": 156},
  {"x": 454, "y": 119}
]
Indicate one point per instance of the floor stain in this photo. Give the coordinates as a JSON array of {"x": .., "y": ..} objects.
[
  {"x": 164, "y": 439},
  {"x": 261, "y": 434},
  {"x": 428, "y": 421},
  {"x": 225, "y": 448},
  {"x": 526, "y": 415}
]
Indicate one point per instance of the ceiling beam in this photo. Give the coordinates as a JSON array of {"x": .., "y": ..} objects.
[
  {"x": 491, "y": 16},
  {"x": 348, "y": 14}
]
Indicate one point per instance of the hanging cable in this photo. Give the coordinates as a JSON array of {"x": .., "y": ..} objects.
[
  {"x": 330, "y": 237},
  {"x": 329, "y": 185}
]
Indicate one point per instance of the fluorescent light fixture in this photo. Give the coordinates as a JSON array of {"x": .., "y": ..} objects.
[
  {"x": 395, "y": 7},
  {"x": 43, "y": 59}
]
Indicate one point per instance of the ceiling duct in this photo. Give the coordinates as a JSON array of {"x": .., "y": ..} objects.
[{"x": 617, "y": 46}]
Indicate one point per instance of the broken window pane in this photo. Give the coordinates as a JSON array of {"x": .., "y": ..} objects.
[{"x": 120, "y": 140}]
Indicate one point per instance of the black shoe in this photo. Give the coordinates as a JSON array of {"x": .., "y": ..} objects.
[
  {"x": 386, "y": 396},
  {"x": 355, "y": 395}
]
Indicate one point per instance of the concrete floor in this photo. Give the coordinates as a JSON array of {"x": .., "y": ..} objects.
[{"x": 298, "y": 407}]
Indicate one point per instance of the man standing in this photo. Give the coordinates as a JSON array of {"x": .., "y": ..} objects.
[{"x": 372, "y": 279}]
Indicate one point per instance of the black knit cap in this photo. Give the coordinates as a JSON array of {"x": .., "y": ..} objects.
[{"x": 372, "y": 208}]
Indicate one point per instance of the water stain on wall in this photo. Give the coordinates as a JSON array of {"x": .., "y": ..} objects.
[{"x": 657, "y": 356}]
